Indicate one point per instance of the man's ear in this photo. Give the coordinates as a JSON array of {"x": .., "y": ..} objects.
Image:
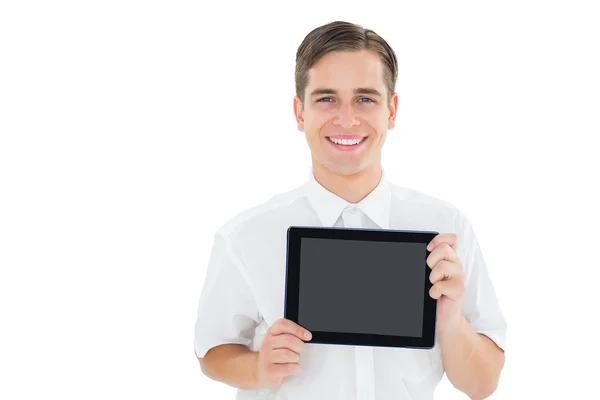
[
  {"x": 298, "y": 112},
  {"x": 393, "y": 111}
]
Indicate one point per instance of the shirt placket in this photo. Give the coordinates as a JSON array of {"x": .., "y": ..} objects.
[{"x": 363, "y": 355}]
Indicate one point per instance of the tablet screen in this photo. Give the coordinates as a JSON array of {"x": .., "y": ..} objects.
[{"x": 365, "y": 287}]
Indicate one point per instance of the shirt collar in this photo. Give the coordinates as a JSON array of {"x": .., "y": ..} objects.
[{"x": 330, "y": 206}]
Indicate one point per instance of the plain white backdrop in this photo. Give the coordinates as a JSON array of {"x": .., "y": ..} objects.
[{"x": 131, "y": 130}]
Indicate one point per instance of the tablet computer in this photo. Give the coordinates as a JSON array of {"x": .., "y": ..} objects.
[{"x": 355, "y": 286}]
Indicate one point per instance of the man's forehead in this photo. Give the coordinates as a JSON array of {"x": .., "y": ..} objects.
[
  {"x": 366, "y": 58},
  {"x": 346, "y": 72}
]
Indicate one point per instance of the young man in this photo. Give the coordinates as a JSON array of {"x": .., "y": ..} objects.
[{"x": 345, "y": 103}]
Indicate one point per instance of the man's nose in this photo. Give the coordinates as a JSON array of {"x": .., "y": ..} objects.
[{"x": 346, "y": 117}]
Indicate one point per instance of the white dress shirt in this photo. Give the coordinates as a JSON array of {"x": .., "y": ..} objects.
[{"x": 243, "y": 292}]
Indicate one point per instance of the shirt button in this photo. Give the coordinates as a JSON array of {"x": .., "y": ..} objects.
[{"x": 352, "y": 210}]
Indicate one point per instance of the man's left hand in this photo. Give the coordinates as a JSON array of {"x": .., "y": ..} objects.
[{"x": 448, "y": 280}]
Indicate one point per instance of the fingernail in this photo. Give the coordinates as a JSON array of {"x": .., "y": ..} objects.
[{"x": 306, "y": 335}]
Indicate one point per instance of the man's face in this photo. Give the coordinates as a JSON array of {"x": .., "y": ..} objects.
[{"x": 346, "y": 99}]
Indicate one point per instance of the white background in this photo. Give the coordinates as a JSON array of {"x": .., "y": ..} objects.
[{"x": 131, "y": 130}]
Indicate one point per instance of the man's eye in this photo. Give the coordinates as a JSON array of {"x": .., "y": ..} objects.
[{"x": 361, "y": 100}]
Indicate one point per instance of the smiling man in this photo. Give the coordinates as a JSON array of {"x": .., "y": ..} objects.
[{"x": 345, "y": 103}]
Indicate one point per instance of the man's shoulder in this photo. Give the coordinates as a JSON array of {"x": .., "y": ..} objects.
[
  {"x": 264, "y": 211},
  {"x": 424, "y": 202},
  {"x": 405, "y": 194}
]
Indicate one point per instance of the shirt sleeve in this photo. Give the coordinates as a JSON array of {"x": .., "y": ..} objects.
[
  {"x": 227, "y": 312},
  {"x": 481, "y": 307}
]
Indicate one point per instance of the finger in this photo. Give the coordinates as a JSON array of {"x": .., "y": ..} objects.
[
  {"x": 283, "y": 370},
  {"x": 442, "y": 252},
  {"x": 283, "y": 325},
  {"x": 283, "y": 356},
  {"x": 287, "y": 341},
  {"x": 453, "y": 288},
  {"x": 449, "y": 238},
  {"x": 444, "y": 270}
]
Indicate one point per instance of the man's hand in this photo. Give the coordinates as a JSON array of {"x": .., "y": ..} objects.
[
  {"x": 448, "y": 280},
  {"x": 280, "y": 352}
]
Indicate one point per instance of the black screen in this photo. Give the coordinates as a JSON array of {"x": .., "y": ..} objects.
[{"x": 362, "y": 286}]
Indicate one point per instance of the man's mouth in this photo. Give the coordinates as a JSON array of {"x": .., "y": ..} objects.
[{"x": 346, "y": 142}]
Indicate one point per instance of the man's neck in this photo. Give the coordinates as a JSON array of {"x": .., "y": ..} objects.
[{"x": 352, "y": 188}]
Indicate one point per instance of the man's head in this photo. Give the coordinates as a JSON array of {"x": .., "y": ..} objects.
[{"x": 345, "y": 81}]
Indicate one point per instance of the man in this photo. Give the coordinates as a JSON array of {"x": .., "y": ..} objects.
[{"x": 345, "y": 103}]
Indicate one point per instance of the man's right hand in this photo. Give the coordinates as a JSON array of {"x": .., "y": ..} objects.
[{"x": 280, "y": 352}]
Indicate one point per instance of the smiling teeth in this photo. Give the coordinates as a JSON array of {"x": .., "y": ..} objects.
[{"x": 345, "y": 142}]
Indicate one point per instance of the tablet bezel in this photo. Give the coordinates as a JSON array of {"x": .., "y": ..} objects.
[{"x": 292, "y": 285}]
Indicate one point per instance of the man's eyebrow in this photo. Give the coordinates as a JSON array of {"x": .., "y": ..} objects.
[
  {"x": 371, "y": 91},
  {"x": 321, "y": 91}
]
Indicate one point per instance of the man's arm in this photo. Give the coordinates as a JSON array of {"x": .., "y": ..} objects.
[
  {"x": 232, "y": 364},
  {"x": 472, "y": 361},
  {"x": 280, "y": 351}
]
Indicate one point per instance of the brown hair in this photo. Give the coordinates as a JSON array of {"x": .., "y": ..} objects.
[{"x": 343, "y": 36}]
